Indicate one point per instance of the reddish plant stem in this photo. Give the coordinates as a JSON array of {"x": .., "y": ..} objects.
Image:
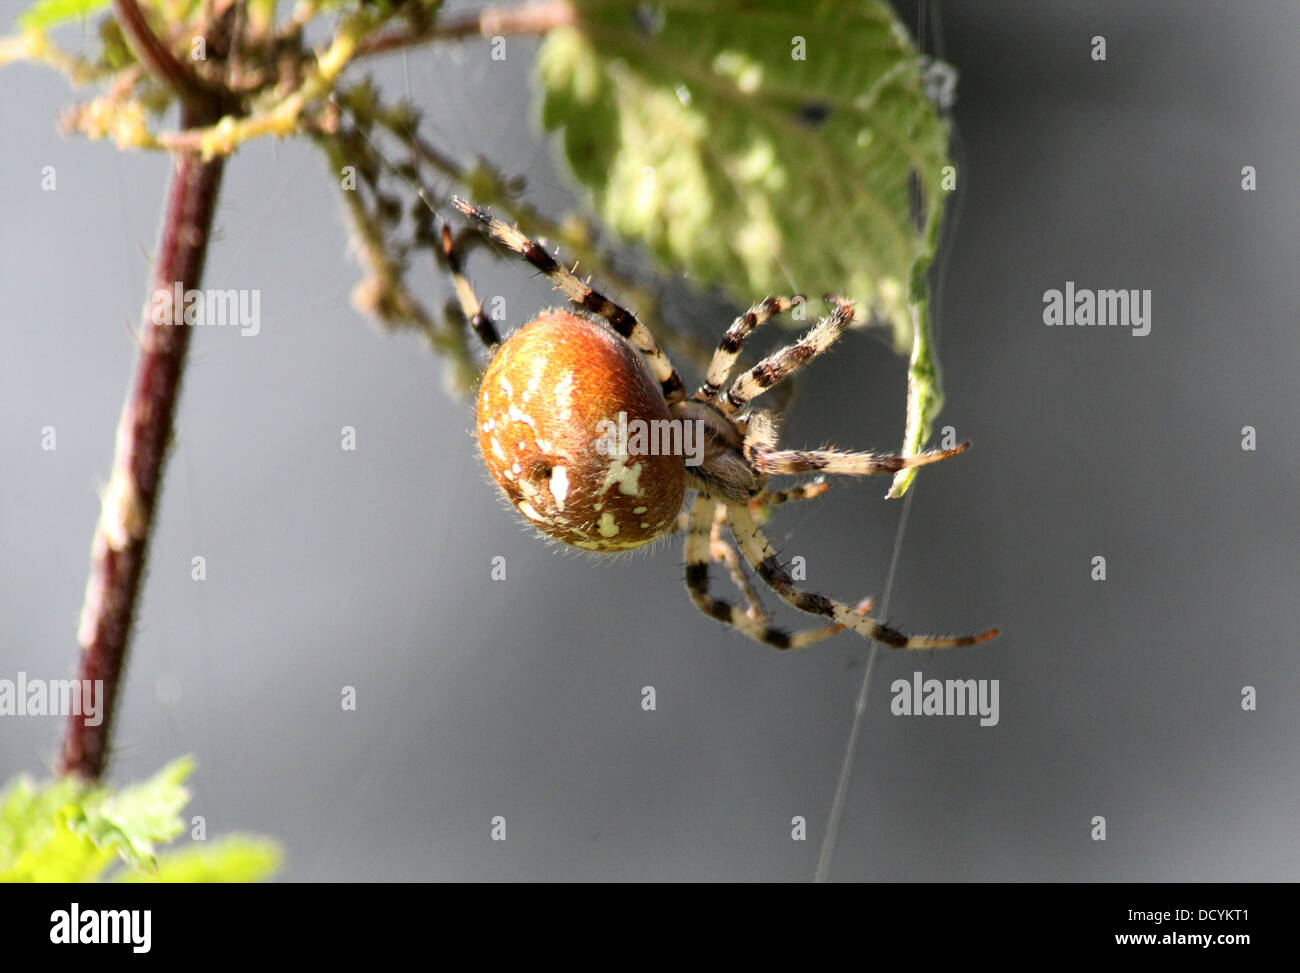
[
  {"x": 121, "y": 540},
  {"x": 486, "y": 22},
  {"x": 157, "y": 59}
]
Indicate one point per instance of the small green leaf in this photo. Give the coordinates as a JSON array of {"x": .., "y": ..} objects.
[
  {"x": 44, "y": 14},
  {"x": 762, "y": 146},
  {"x": 63, "y": 831},
  {"x": 235, "y": 858},
  {"x": 132, "y": 821},
  {"x": 27, "y": 813},
  {"x": 50, "y": 13},
  {"x": 924, "y": 382},
  {"x": 924, "y": 398},
  {"x": 36, "y": 844}
]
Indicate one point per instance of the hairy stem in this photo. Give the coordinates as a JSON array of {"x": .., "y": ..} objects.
[{"x": 121, "y": 539}]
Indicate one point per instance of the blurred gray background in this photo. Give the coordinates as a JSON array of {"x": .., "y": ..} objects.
[{"x": 522, "y": 698}]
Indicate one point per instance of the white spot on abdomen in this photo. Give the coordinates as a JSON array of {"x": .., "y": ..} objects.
[
  {"x": 564, "y": 396},
  {"x": 560, "y": 485},
  {"x": 527, "y": 510},
  {"x": 627, "y": 477}
]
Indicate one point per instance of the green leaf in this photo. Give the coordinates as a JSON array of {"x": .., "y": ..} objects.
[
  {"x": 698, "y": 130},
  {"x": 924, "y": 398},
  {"x": 36, "y": 844},
  {"x": 132, "y": 821},
  {"x": 44, "y": 14},
  {"x": 63, "y": 831},
  {"x": 924, "y": 383},
  {"x": 235, "y": 858},
  {"x": 49, "y": 13}
]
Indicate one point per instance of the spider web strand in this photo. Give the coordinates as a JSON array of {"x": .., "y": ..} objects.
[{"x": 827, "y": 854}]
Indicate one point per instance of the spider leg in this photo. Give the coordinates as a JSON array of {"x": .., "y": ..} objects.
[
  {"x": 725, "y": 553},
  {"x": 761, "y": 505},
  {"x": 804, "y": 491},
  {"x": 619, "y": 318},
  {"x": 698, "y": 556},
  {"x": 759, "y": 445},
  {"x": 784, "y": 462},
  {"x": 724, "y": 359},
  {"x": 720, "y": 550},
  {"x": 758, "y": 552},
  {"x": 783, "y": 363},
  {"x": 469, "y": 303}
]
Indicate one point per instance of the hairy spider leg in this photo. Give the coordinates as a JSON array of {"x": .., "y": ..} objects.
[
  {"x": 698, "y": 537},
  {"x": 470, "y": 305},
  {"x": 724, "y": 358},
  {"x": 584, "y": 296},
  {"x": 758, "y": 552},
  {"x": 785, "y": 362}
]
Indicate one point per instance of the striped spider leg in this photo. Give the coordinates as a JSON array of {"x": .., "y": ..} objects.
[
  {"x": 620, "y": 319},
  {"x": 470, "y": 305},
  {"x": 724, "y": 552},
  {"x": 758, "y": 552},
  {"x": 753, "y": 623}
]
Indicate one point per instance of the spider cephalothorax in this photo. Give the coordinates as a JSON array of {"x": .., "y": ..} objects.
[{"x": 587, "y": 428}]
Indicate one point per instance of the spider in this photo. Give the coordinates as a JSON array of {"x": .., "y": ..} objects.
[{"x": 555, "y": 389}]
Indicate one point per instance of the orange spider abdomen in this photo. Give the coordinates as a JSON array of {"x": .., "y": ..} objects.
[{"x": 550, "y": 408}]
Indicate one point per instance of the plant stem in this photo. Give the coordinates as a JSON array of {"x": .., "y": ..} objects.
[
  {"x": 157, "y": 59},
  {"x": 121, "y": 541},
  {"x": 486, "y": 22}
]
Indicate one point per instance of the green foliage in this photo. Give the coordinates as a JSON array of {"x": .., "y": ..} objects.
[
  {"x": 698, "y": 130},
  {"x": 62, "y": 831},
  {"x": 50, "y": 13},
  {"x": 132, "y": 821},
  {"x": 36, "y": 844},
  {"x": 44, "y": 14},
  {"x": 924, "y": 383},
  {"x": 234, "y": 858}
]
